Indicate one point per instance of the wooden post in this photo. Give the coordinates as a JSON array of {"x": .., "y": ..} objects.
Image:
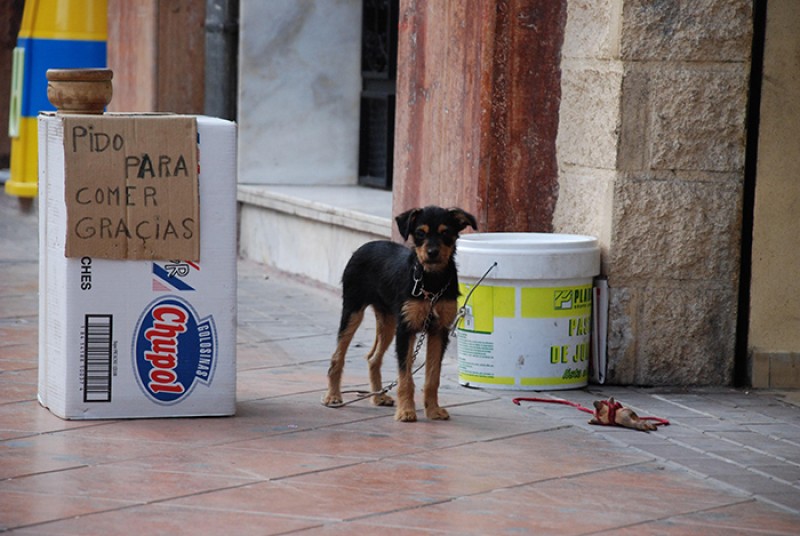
[
  {"x": 478, "y": 96},
  {"x": 156, "y": 49}
]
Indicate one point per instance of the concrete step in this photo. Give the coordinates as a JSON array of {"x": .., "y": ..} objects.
[{"x": 310, "y": 230}]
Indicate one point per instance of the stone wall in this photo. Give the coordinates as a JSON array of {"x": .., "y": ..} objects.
[{"x": 651, "y": 160}]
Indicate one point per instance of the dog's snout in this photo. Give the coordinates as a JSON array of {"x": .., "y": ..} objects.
[{"x": 433, "y": 252}]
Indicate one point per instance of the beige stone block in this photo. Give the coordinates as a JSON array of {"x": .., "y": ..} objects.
[
  {"x": 675, "y": 230},
  {"x": 623, "y": 307},
  {"x": 784, "y": 370},
  {"x": 687, "y": 335},
  {"x": 697, "y": 118},
  {"x": 671, "y": 336},
  {"x": 759, "y": 371},
  {"x": 634, "y": 142},
  {"x": 589, "y": 115},
  {"x": 686, "y": 30},
  {"x": 593, "y": 29},
  {"x": 585, "y": 204},
  {"x": 683, "y": 118}
]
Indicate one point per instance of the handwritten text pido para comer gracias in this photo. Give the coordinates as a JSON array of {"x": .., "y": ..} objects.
[{"x": 145, "y": 167}]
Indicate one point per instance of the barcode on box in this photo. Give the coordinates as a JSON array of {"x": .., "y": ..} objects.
[{"x": 97, "y": 358}]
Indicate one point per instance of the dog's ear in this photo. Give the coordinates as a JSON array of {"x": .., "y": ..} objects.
[
  {"x": 463, "y": 218},
  {"x": 405, "y": 221}
]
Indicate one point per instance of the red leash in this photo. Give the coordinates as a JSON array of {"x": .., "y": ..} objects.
[{"x": 612, "y": 409}]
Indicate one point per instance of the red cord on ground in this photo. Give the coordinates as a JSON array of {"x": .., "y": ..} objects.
[{"x": 657, "y": 420}]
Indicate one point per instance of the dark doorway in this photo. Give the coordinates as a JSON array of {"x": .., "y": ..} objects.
[
  {"x": 379, "y": 76},
  {"x": 742, "y": 365}
]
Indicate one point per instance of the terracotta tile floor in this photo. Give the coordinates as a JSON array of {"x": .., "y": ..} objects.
[{"x": 285, "y": 464}]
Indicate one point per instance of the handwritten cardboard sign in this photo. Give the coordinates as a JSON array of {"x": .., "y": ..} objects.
[{"x": 131, "y": 187}]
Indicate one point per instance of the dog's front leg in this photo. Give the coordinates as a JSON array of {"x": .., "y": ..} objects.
[
  {"x": 437, "y": 343},
  {"x": 406, "y": 410}
]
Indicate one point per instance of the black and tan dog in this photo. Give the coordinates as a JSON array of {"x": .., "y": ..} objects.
[{"x": 410, "y": 290}]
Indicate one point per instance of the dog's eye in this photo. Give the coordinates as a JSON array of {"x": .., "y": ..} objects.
[{"x": 419, "y": 234}]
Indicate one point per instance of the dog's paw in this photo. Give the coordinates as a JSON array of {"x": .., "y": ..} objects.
[
  {"x": 437, "y": 414},
  {"x": 382, "y": 400},
  {"x": 331, "y": 399},
  {"x": 405, "y": 415}
]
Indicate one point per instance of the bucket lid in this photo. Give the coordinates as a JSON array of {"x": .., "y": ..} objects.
[
  {"x": 528, "y": 255},
  {"x": 526, "y": 242}
]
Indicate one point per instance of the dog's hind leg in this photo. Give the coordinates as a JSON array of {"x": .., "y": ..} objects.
[
  {"x": 384, "y": 333},
  {"x": 351, "y": 319}
]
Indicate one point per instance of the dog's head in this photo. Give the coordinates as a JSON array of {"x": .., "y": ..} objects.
[{"x": 434, "y": 230}]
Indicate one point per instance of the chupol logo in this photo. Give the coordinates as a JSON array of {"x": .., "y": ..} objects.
[{"x": 173, "y": 349}]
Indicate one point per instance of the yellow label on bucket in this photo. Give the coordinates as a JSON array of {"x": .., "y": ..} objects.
[
  {"x": 556, "y": 302},
  {"x": 525, "y": 337},
  {"x": 486, "y": 304}
]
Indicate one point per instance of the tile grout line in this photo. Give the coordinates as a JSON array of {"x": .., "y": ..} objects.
[
  {"x": 707, "y": 477},
  {"x": 666, "y": 518},
  {"x": 503, "y": 488},
  {"x": 132, "y": 504}
]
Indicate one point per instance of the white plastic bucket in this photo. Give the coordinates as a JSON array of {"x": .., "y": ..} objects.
[{"x": 528, "y": 324}]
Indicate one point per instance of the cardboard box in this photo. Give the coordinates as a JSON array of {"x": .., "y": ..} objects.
[{"x": 139, "y": 338}]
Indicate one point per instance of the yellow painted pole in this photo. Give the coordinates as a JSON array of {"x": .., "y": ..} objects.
[{"x": 54, "y": 34}]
